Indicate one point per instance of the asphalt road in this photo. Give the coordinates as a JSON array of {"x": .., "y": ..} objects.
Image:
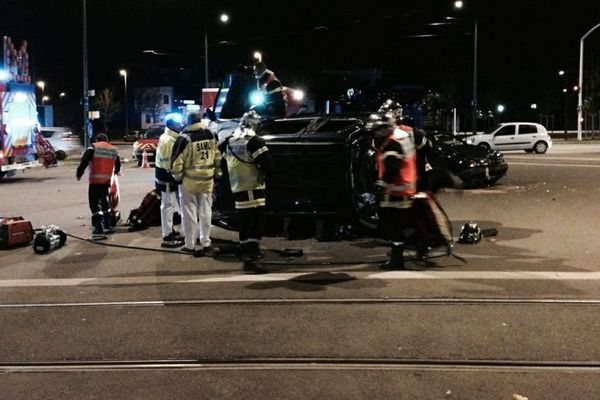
[{"x": 518, "y": 316}]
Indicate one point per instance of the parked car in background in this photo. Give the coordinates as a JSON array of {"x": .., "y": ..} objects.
[
  {"x": 148, "y": 142},
  {"x": 65, "y": 142},
  {"x": 526, "y": 136},
  {"x": 132, "y": 136}
]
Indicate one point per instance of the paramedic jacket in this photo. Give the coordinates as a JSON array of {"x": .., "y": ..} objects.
[
  {"x": 196, "y": 158},
  {"x": 164, "y": 181},
  {"x": 103, "y": 159},
  {"x": 248, "y": 163}
]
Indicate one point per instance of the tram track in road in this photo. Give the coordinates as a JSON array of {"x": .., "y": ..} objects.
[
  {"x": 306, "y": 301},
  {"x": 300, "y": 363}
]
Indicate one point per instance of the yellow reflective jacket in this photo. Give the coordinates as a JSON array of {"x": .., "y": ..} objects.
[{"x": 196, "y": 158}]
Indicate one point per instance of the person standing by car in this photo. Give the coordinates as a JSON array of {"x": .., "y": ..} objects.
[
  {"x": 392, "y": 111},
  {"x": 165, "y": 182},
  {"x": 103, "y": 160},
  {"x": 274, "y": 103},
  {"x": 397, "y": 179},
  {"x": 249, "y": 165},
  {"x": 195, "y": 161}
]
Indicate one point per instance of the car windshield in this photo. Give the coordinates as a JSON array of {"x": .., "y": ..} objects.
[
  {"x": 490, "y": 130},
  {"x": 154, "y": 133}
]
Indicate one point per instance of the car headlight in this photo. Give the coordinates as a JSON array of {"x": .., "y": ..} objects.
[{"x": 470, "y": 141}]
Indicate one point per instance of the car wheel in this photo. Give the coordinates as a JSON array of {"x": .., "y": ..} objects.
[
  {"x": 484, "y": 145},
  {"x": 540, "y": 147},
  {"x": 60, "y": 155}
]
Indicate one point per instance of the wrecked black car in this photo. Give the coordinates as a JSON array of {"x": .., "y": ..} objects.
[{"x": 325, "y": 169}]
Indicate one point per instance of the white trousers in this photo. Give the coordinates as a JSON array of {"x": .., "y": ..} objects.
[
  {"x": 168, "y": 207},
  {"x": 196, "y": 214}
]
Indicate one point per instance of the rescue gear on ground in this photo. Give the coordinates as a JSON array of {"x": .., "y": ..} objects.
[
  {"x": 48, "y": 238},
  {"x": 470, "y": 233}
]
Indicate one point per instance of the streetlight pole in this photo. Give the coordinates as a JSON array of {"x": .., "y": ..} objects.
[
  {"x": 205, "y": 57},
  {"x": 580, "y": 97},
  {"x": 459, "y": 5},
  {"x": 224, "y": 19},
  {"x": 123, "y": 73},
  {"x": 42, "y": 86},
  {"x": 86, "y": 98},
  {"x": 566, "y": 92},
  {"x": 475, "y": 40}
]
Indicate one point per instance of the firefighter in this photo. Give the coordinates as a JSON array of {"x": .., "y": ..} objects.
[
  {"x": 103, "y": 159},
  {"x": 392, "y": 111},
  {"x": 397, "y": 173},
  {"x": 249, "y": 165},
  {"x": 165, "y": 182},
  {"x": 195, "y": 162},
  {"x": 274, "y": 103}
]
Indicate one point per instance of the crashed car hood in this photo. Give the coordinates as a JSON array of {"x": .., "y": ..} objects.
[{"x": 466, "y": 150}]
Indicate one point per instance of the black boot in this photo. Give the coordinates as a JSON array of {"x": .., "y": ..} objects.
[{"x": 396, "y": 261}]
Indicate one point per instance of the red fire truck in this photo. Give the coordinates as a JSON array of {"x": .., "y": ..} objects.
[{"x": 20, "y": 143}]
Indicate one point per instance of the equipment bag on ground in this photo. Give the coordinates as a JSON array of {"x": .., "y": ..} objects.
[
  {"x": 15, "y": 231},
  {"x": 431, "y": 223},
  {"x": 148, "y": 213}
]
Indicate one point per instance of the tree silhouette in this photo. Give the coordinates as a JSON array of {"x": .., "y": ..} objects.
[{"x": 108, "y": 106}]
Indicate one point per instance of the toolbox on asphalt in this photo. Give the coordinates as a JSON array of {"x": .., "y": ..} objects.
[{"x": 15, "y": 231}]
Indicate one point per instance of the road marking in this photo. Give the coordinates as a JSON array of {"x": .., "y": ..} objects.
[
  {"x": 555, "y": 165},
  {"x": 307, "y": 276}
]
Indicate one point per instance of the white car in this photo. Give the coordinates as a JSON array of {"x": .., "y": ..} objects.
[
  {"x": 526, "y": 136},
  {"x": 65, "y": 142}
]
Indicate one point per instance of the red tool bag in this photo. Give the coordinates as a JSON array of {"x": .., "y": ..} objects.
[
  {"x": 15, "y": 231},
  {"x": 431, "y": 223}
]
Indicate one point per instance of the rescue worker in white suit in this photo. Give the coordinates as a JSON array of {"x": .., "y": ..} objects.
[
  {"x": 195, "y": 162},
  {"x": 249, "y": 165},
  {"x": 165, "y": 182}
]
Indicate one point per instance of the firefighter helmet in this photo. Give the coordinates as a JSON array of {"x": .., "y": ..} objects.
[
  {"x": 250, "y": 120},
  {"x": 390, "y": 110},
  {"x": 470, "y": 233}
]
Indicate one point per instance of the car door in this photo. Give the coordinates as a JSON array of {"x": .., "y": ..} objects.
[
  {"x": 505, "y": 138},
  {"x": 526, "y": 136}
]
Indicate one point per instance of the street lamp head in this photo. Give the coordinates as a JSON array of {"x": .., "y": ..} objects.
[
  {"x": 41, "y": 84},
  {"x": 458, "y": 4},
  {"x": 45, "y": 98},
  {"x": 123, "y": 72},
  {"x": 224, "y": 18},
  {"x": 575, "y": 88},
  {"x": 533, "y": 106},
  {"x": 565, "y": 90},
  {"x": 258, "y": 55},
  {"x": 62, "y": 94},
  {"x": 500, "y": 108},
  {"x": 561, "y": 72}
]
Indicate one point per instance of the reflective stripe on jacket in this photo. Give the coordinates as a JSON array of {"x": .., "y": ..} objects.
[
  {"x": 244, "y": 174},
  {"x": 403, "y": 184},
  {"x": 103, "y": 163},
  {"x": 164, "y": 181},
  {"x": 165, "y": 149},
  {"x": 195, "y": 158}
]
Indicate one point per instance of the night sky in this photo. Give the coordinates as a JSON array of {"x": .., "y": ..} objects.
[{"x": 522, "y": 44}]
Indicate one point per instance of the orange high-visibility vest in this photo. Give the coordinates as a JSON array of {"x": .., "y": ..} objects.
[
  {"x": 404, "y": 184},
  {"x": 103, "y": 163}
]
